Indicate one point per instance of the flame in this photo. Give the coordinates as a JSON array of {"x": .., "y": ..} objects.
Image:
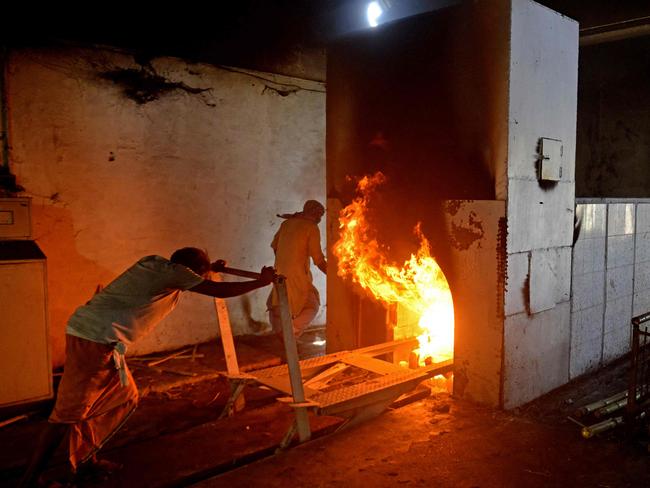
[{"x": 419, "y": 284}]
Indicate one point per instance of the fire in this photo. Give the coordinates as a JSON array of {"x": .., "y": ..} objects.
[{"x": 419, "y": 285}]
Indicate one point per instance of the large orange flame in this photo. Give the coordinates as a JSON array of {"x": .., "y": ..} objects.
[{"x": 419, "y": 284}]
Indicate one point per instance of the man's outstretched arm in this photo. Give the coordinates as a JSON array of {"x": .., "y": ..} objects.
[
  {"x": 322, "y": 265},
  {"x": 226, "y": 289}
]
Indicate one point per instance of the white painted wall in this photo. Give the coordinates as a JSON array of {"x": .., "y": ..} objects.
[
  {"x": 113, "y": 180},
  {"x": 543, "y": 97}
]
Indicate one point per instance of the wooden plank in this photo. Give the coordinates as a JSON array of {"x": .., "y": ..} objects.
[
  {"x": 283, "y": 385},
  {"x": 226, "y": 332},
  {"x": 385, "y": 347},
  {"x": 371, "y": 364},
  {"x": 320, "y": 380}
]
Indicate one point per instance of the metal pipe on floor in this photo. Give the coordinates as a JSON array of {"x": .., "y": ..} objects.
[
  {"x": 591, "y": 430},
  {"x": 607, "y": 410},
  {"x": 592, "y": 407}
]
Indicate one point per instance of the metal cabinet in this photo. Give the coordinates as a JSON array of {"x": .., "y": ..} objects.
[{"x": 25, "y": 366}]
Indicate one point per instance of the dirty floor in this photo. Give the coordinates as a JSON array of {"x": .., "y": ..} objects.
[{"x": 175, "y": 438}]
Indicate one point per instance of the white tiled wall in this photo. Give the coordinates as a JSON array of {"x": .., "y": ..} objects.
[
  {"x": 610, "y": 281},
  {"x": 619, "y": 280},
  {"x": 588, "y": 289},
  {"x": 641, "y": 302}
]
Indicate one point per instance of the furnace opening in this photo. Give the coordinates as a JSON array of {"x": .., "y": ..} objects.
[{"x": 416, "y": 293}]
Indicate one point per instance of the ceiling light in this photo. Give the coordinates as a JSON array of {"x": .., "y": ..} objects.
[{"x": 373, "y": 12}]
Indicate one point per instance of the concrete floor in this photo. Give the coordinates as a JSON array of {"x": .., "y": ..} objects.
[{"x": 176, "y": 439}]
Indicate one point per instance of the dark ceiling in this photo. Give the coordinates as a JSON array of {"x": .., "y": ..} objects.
[{"x": 260, "y": 34}]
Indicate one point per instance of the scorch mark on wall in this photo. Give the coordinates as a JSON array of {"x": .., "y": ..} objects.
[
  {"x": 464, "y": 235},
  {"x": 144, "y": 85}
]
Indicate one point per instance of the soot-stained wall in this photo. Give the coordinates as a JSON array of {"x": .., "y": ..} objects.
[
  {"x": 124, "y": 160},
  {"x": 613, "y": 143}
]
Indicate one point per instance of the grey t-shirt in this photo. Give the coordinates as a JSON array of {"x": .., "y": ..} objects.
[{"x": 133, "y": 303}]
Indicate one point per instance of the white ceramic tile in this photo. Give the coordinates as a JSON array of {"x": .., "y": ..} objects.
[
  {"x": 618, "y": 314},
  {"x": 598, "y": 253},
  {"x": 643, "y": 217},
  {"x": 619, "y": 282},
  {"x": 616, "y": 343},
  {"x": 581, "y": 209},
  {"x": 592, "y": 220},
  {"x": 588, "y": 256},
  {"x": 641, "y": 303},
  {"x": 517, "y": 289},
  {"x": 642, "y": 276},
  {"x": 620, "y": 219},
  {"x": 563, "y": 274},
  {"x": 614, "y": 219},
  {"x": 543, "y": 280},
  {"x": 620, "y": 251},
  {"x": 585, "y": 357},
  {"x": 587, "y": 325},
  {"x": 536, "y": 352},
  {"x": 642, "y": 252},
  {"x": 587, "y": 290},
  {"x": 578, "y": 260},
  {"x": 539, "y": 219}
]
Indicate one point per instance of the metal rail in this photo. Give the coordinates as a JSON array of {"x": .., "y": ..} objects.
[{"x": 638, "y": 395}]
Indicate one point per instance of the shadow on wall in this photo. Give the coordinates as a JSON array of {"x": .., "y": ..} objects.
[
  {"x": 71, "y": 278},
  {"x": 256, "y": 326}
]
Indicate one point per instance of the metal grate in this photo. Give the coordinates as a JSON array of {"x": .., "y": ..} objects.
[
  {"x": 354, "y": 391},
  {"x": 638, "y": 395},
  {"x": 305, "y": 364},
  {"x": 383, "y": 382}
]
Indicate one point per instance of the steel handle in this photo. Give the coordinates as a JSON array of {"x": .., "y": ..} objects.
[
  {"x": 249, "y": 274},
  {"x": 240, "y": 272}
]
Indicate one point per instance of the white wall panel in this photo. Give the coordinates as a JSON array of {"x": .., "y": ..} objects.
[{"x": 538, "y": 354}]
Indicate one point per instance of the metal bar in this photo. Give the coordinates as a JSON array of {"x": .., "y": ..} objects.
[
  {"x": 291, "y": 351},
  {"x": 639, "y": 319},
  {"x": 641, "y": 365},
  {"x": 241, "y": 272},
  {"x": 632, "y": 384}
]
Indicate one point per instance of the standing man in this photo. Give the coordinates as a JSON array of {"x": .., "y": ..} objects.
[
  {"x": 298, "y": 240},
  {"x": 97, "y": 393}
]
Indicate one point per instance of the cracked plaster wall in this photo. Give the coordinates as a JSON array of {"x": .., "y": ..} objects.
[{"x": 113, "y": 179}]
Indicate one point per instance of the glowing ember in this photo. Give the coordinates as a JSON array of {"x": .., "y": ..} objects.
[{"x": 418, "y": 285}]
